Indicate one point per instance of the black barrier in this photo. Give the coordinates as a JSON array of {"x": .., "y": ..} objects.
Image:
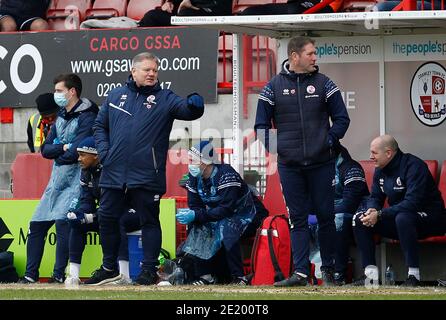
[{"x": 102, "y": 58}]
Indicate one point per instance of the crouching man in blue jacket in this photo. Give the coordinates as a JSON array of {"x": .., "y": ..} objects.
[
  {"x": 415, "y": 211},
  {"x": 132, "y": 137}
]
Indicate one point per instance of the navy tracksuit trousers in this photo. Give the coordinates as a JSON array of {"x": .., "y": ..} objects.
[
  {"x": 35, "y": 244},
  {"x": 147, "y": 205},
  {"x": 308, "y": 189},
  {"x": 407, "y": 227},
  {"x": 78, "y": 236}
]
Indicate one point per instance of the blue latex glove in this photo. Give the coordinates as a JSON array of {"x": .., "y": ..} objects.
[
  {"x": 69, "y": 146},
  {"x": 56, "y": 141},
  {"x": 196, "y": 100},
  {"x": 185, "y": 216}
]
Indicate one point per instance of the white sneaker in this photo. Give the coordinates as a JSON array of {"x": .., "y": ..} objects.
[
  {"x": 72, "y": 283},
  {"x": 123, "y": 281}
]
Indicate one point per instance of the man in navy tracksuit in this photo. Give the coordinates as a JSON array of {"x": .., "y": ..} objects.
[
  {"x": 132, "y": 137},
  {"x": 415, "y": 210},
  {"x": 300, "y": 102}
]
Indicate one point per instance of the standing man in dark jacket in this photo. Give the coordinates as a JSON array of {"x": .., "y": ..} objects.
[
  {"x": 415, "y": 211},
  {"x": 23, "y": 15},
  {"x": 132, "y": 137},
  {"x": 300, "y": 102}
]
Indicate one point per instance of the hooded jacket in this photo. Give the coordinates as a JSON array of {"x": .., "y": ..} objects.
[
  {"x": 132, "y": 135},
  {"x": 70, "y": 128},
  {"x": 301, "y": 106}
]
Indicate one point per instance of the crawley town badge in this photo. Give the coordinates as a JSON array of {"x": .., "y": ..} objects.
[{"x": 427, "y": 94}]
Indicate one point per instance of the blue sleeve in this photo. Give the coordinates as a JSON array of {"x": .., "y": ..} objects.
[
  {"x": 87, "y": 201},
  {"x": 353, "y": 191},
  {"x": 264, "y": 114},
  {"x": 377, "y": 197},
  {"x": 101, "y": 131},
  {"x": 50, "y": 150},
  {"x": 84, "y": 130},
  {"x": 180, "y": 109},
  {"x": 337, "y": 111},
  {"x": 416, "y": 178}
]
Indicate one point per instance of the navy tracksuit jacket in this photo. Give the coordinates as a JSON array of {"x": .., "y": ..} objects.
[
  {"x": 415, "y": 211},
  {"x": 300, "y": 106},
  {"x": 132, "y": 137}
]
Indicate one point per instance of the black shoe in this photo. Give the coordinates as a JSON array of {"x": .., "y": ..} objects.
[
  {"x": 56, "y": 280},
  {"x": 441, "y": 282},
  {"x": 411, "y": 281},
  {"x": 339, "y": 279},
  {"x": 327, "y": 277},
  {"x": 295, "y": 280},
  {"x": 146, "y": 278},
  {"x": 363, "y": 281},
  {"x": 26, "y": 280},
  {"x": 102, "y": 276},
  {"x": 239, "y": 281}
]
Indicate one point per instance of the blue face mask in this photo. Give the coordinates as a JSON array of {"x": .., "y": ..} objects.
[
  {"x": 194, "y": 170},
  {"x": 60, "y": 99}
]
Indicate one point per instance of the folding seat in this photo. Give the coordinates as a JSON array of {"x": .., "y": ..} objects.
[
  {"x": 68, "y": 14},
  {"x": 137, "y": 8},
  {"x": 104, "y": 9}
]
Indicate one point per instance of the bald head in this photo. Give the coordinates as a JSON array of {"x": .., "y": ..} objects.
[{"x": 382, "y": 150}]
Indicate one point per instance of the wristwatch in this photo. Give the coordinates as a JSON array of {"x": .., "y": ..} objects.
[{"x": 380, "y": 215}]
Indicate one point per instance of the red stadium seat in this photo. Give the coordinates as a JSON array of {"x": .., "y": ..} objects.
[
  {"x": 137, "y": 8},
  {"x": 369, "y": 170},
  {"x": 357, "y": 5},
  {"x": 433, "y": 168},
  {"x": 104, "y": 9},
  {"x": 176, "y": 167},
  {"x": 30, "y": 174},
  {"x": 442, "y": 182},
  {"x": 240, "y": 5},
  {"x": 68, "y": 14}
]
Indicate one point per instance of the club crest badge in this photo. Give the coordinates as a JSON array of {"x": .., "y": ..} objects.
[
  {"x": 427, "y": 94},
  {"x": 311, "y": 89}
]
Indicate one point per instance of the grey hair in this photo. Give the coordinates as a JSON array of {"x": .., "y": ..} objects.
[{"x": 145, "y": 56}]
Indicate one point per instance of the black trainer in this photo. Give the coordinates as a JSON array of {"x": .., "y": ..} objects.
[
  {"x": 239, "y": 281},
  {"x": 411, "y": 281},
  {"x": 56, "y": 280},
  {"x": 339, "y": 279},
  {"x": 363, "y": 281},
  {"x": 26, "y": 280},
  {"x": 327, "y": 277},
  {"x": 102, "y": 276},
  {"x": 146, "y": 278},
  {"x": 296, "y": 280}
]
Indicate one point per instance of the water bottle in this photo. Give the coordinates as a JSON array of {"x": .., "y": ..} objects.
[
  {"x": 178, "y": 276},
  {"x": 390, "y": 276}
]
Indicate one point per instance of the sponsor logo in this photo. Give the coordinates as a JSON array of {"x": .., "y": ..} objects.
[
  {"x": 4, "y": 243},
  {"x": 427, "y": 94},
  {"x": 286, "y": 92}
]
